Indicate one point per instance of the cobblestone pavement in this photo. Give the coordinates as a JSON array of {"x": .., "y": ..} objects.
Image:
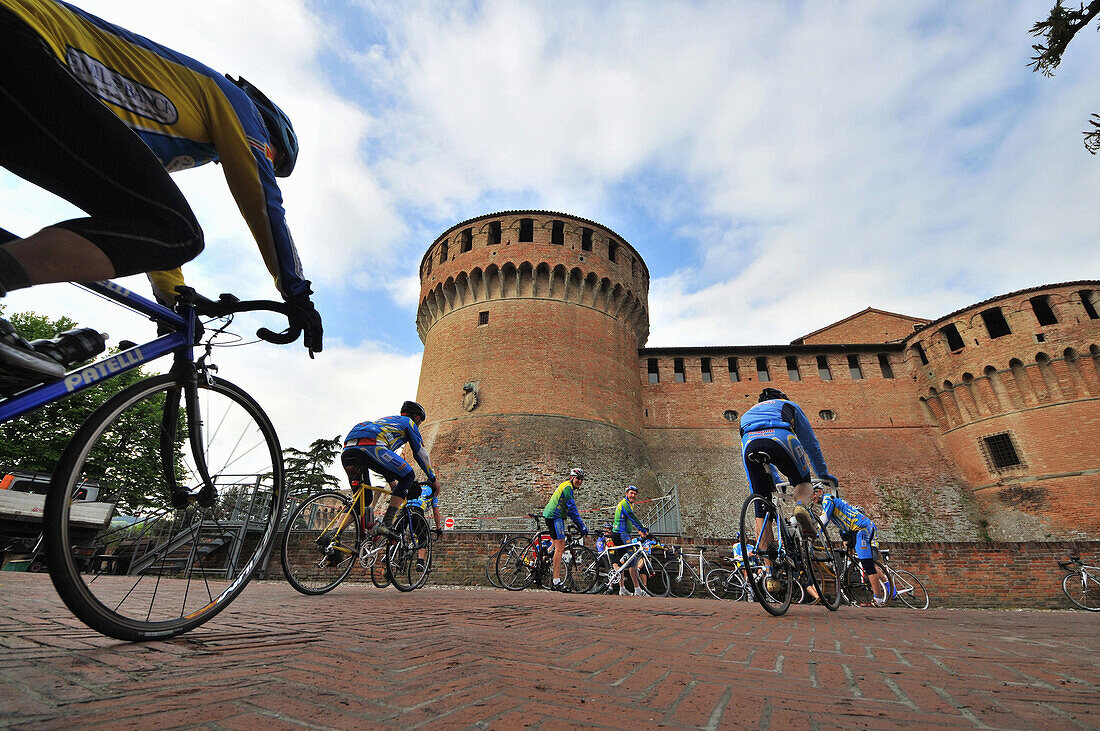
[{"x": 455, "y": 658}]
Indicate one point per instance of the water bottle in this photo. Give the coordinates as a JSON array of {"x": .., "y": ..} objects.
[
  {"x": 73, "y": 346},
  {"x": 889, "y": 588}
]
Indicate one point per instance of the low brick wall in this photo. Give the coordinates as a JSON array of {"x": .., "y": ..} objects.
[{"x": 1024, "y": 574}]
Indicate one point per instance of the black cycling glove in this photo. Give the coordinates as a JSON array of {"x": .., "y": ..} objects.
[{"x": 305, "y": 316}]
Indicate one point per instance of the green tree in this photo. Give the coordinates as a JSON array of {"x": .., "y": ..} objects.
[
  {"x": 306, "y": 470},
  {"x": 34, "y": 442},
  {"x": 1057, "y": 31}
]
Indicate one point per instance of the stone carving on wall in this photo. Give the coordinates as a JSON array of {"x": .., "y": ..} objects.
[{"x": 470, "y": 396}]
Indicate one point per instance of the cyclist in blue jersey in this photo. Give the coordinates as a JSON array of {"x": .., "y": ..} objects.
[
  {"x": 99, "y": 116},
  {"x": 428, "y": 497},
  {"x": 621, "y": 529},
  {"x": 561, "y": 504},
  {"x": 858, "y": 531},
  {"x": 376, "y": 446},
  {"x": 776, "y": 438}
]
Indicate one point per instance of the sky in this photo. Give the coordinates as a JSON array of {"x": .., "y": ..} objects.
[{"x": 779, "y": 166}]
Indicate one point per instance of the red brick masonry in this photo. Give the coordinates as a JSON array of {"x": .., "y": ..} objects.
[{"x": 452, "y": 658}]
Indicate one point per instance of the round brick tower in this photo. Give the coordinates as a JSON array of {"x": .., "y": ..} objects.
[
  {"x": 1013, "y": 385},
  {"x": 531, "y": 323}
]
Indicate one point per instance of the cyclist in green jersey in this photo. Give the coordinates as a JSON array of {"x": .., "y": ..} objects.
[{"x": 562, "y": 504}]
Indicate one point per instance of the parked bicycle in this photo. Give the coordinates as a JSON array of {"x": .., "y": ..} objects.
[
  {"x": 329, "y": 532},
  {"x": 794, "y": 550},
  {"x": 900, "y": 584},
  {"x": 524, "y": 561},
  {"x": 189, "y": 469},
  {"x": 657, "y": 579},
  {"x": 686, "y": 572},
  {"x": 1082, "y": 584}
]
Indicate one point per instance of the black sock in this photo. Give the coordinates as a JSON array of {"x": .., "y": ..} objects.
[
  {"x": 12, "y": 274},
  {"x": 388, "y": 519}
]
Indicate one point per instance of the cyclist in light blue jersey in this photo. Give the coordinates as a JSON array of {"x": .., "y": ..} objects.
[
  {"x": 376, "y": 446},
  {"x": 428, "y": 497},
  {"x": 858, "y": 531}
]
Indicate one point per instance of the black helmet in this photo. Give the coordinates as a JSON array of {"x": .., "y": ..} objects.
[
  {"x": 278, "y": 128},
  {"x": 414, "y": 410},
  {"x": 769, "y": 394}
]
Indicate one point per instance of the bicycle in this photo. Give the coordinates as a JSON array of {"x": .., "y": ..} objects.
[
  {"x": 899, "y": 583},
  {"x": 732, "y": 585},
  {"x": 1082, "y": 584},
  {"x": 164, "y": 548},
  {"x": 491, "y": 564},
  {"x": 526, "y": 560},
  {"x": 682, "y": 575},
  {"x": 657, "y": 581},
  {"x": 327, "y": 534},
  {"x": 792, "y": 548}
]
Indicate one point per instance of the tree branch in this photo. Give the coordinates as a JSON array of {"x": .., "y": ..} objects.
[{"x": 1058, "y": 30}]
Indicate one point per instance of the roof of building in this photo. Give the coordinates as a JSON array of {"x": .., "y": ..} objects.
[
  {"x": 921, "y": 320},
  {"x": 788, "y": 349}
]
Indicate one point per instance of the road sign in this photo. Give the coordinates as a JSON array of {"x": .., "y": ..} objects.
[{"x": 449, "y": 523}]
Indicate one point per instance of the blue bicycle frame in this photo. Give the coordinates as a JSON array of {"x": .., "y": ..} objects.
[{"x": 181, "y": 340}]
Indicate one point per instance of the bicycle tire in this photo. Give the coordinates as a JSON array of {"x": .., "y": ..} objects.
[
  {"x": 909, "y": 589},
  {"x": 307, "y": 565},
  {"x": 162, "y": 594},
  {"x": 682, "y": 583},
  {"x": 378, "y": 575},
  {"x": 860, "y": 589},
  {"x": 583, "y": 569},
  {"x": 823, "y": 568},
  {"x": 725, "y": 585},
  {"x": 783, "y": 570},
  {"x": 1084, "y": 586},
  {"x": 657, "y": 583},
  {"x": 405, "y": 567},
  {"x": 515, "y": 567},
  {"x": 491, "y": 568}
]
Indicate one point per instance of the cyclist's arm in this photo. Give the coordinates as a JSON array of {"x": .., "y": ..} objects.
[
  {"x": 436, "y": 516},
  {"x": 420, "y": 453},
  {"x": 243, "y": 145},
  {"x": 571, "y": 508},
  {"x": 629, "y": 512},
  {"x": 806, "y": 436}
]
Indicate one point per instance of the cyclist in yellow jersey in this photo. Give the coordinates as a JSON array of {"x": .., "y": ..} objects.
[{"x": 99, "y": 115}]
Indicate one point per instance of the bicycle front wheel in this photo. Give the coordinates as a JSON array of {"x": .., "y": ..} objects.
[
  {"x": 823, "y": 568},
  {"x": 583, "y": 566},
  {"x": 408, "y": 558},
  {"x": 515, "y": 567},
  {"x": 724, "y": 584},
  {"x": 1083, "y": 590},
  {"x": 491, "y": 568},
  {"x": 320, "y": 540},
  {"x": 773, "y": 590},
  {"x": 912, "y": 593},
  {"x": 681, "y": 579},
  {"x": 657, "y": 582},
  {"x": 132, "y": 565}
]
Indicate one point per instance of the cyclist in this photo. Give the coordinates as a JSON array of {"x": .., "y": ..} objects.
[
  {"x": 739, "y": 560},
  {"x": 99, "y": 116},
  {"x": 858, "y": 531},
  {"x": 376, "y": 445},
  {"x": 621, "y": 530},
  {"x": 428, "y": 496},
  {"x": 778, "y": 428},
  {"x": 561, "y": 504}
]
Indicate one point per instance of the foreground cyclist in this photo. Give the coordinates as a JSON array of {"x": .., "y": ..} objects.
[
  {"x": 99, "y": 116},
  {"x": 561, "y": 504},
  {"x": 857, "y": 530},
  {"x": 376, "y": 446},
  {"x": 621, "y": 530},
  {"x": 777, "y": 427}
]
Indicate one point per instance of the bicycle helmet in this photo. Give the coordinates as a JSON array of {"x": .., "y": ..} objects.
[
  {"x": 578, "y": 472},
  {"x": 629, "y": 488},
  {"x": 413, "y": 410},
  {"x": 770, "y": 394},
  {"x": 278, "y": 126}
]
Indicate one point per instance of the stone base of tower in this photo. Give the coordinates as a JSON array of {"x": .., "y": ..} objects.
[{"x": 509, "y": 464}]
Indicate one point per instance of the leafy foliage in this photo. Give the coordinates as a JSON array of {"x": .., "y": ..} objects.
[
  {"x": 1058, "y": 30},
  {"x": 305, "y": 470}
]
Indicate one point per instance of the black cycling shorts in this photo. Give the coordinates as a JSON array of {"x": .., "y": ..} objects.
[
  {"x": 61, "y": 138},
  {"x": 358, "y": 463},
  {"x": 760, "y": 477}
]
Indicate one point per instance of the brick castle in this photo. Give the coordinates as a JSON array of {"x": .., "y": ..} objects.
[{"x": 984, "y": 423}]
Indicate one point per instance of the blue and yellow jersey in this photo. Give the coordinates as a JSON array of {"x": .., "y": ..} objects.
[
  {"x": 783, "y": 415},
  {"x": 562, "y": 503},
  {"x": 391, "y": 432},
  {"x": 624, "y": 516},
  {"x": 187, "y": 113},
  {"x": 428, "y": 498},
  {"x": 844, "y": 516}
]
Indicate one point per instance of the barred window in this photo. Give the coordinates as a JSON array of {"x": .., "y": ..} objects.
[
  {"x": 730, "y": 415},
  {"x": 1002, "y": 451}
]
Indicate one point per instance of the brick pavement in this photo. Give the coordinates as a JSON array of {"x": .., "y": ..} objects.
[{"x": 454, "y": 658}]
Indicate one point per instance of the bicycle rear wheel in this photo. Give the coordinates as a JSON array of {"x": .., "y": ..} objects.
[
  {"x": 859, "y": 584},
  {"x": 317, "y": 551},
  {"x": 909, "y": 589},
  {"x": 378, "y": 575},
  {"x": 491, "y": 568},
  {"x": 515, "y": 567},
  {"x": 725, "y": 584},
  {"x": 409, "y": 557},
  {"x": 583, "y": 569},
  {"x": 823, "y": 568},
  {"x": 130, "y": 564},
  {"x": 1083, "y": 590},
  {"x": 783, "y": 575}
]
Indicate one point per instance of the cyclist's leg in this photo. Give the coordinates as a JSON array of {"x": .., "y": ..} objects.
[
  {"x": 760, "y": 483},
  {"x": 557, "y": 539},
  {"x": 355, "y": 466},
  {"x": 59, "y": 136},
  {"x": 397, "y": 471},
  {"x": 865, "y": 555}
]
